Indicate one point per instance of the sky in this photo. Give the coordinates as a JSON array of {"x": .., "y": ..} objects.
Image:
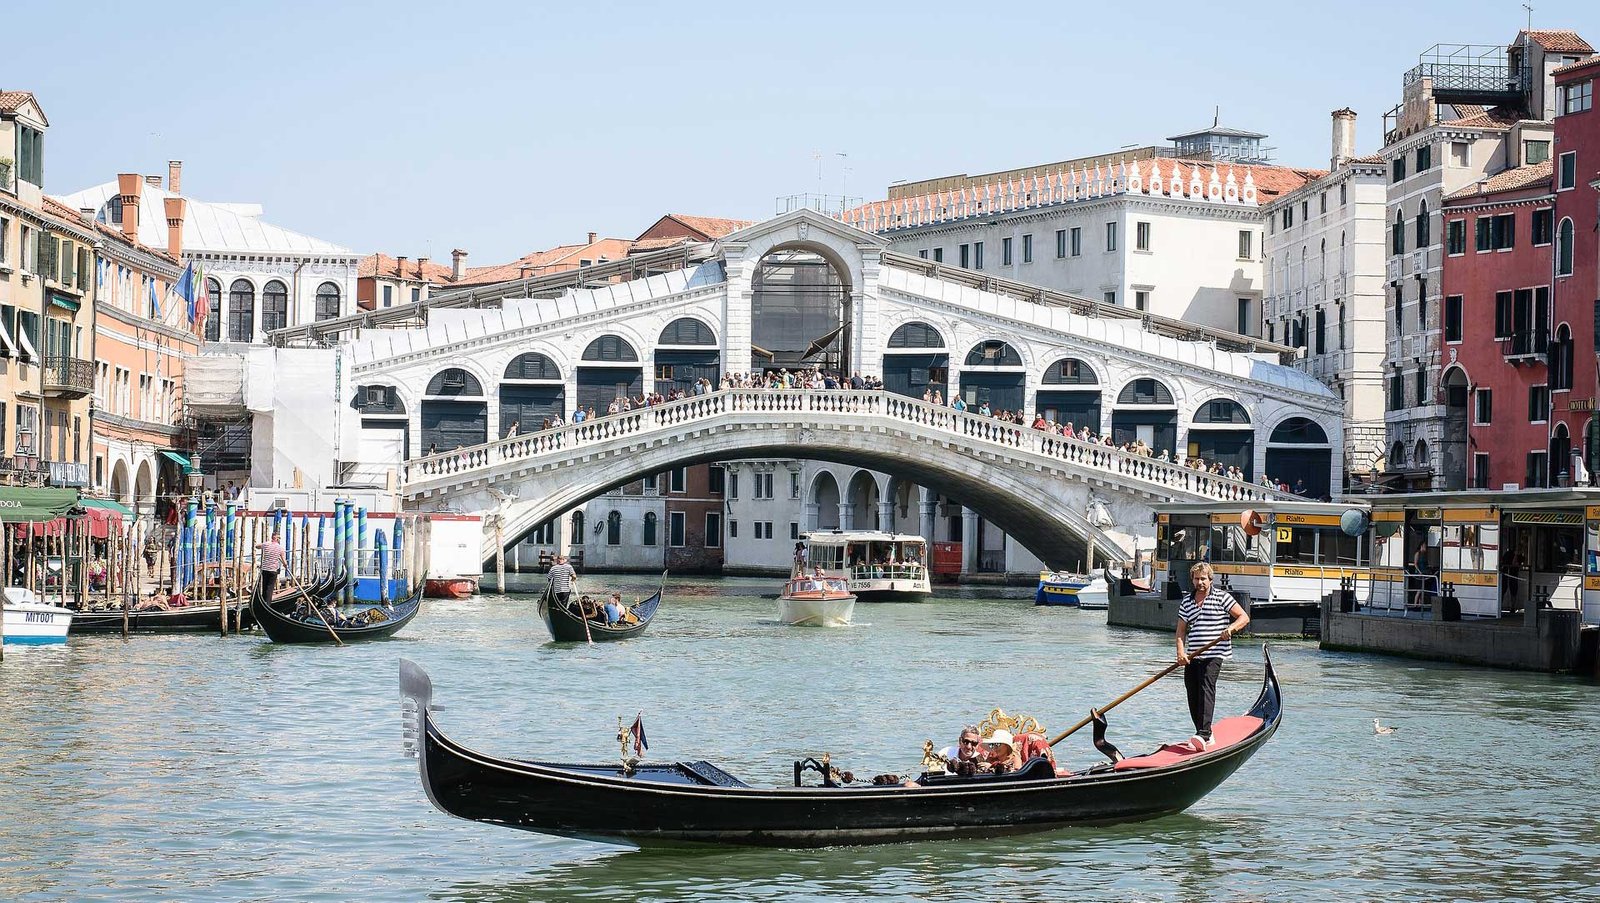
[{"x": 502, "y": 128}]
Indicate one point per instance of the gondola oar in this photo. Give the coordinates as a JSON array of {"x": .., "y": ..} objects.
[
  {"x": 1128, "y": 695},
  {"x": 314, "y": 607}
]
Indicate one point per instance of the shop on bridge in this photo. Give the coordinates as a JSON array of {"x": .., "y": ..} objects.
[
  {"x": 455, "y": 412},
  {"x": 916, "y": 362},
  {"x": 610, "y": 370},
  {"x": 686, "y": 353},
  {"x": 1222, "y": 433},
  {"x": 1146, "y": 412},
  {"x": 1300, "y": 457},
  {"x": 1071, "y": 394},
  {"x": 531, "y": 393},
  {"x": 384, "y": 426},
  {"x": 994, "y": 375}
]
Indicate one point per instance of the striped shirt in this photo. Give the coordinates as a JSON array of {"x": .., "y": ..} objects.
[
  {"x": 562, "y": 576},
  {"x": 271, "y": 556},
  {"x": 1207, "y": 622}
]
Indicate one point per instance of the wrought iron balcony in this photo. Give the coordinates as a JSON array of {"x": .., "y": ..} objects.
[
  {"x": 1472, "y": 74},
  {"x": 67, "y": 377},
  {"x": 1529, "y": 346}
]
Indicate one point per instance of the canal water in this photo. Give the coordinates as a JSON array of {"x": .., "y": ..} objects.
[{"x": 195, "y": 768}]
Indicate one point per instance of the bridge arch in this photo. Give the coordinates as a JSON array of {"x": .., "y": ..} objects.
[
  {"x": 916, "y": 360},
  {"x": 1070, "y": 393},
  {"x": 454, "y": 411},
  {"x": 823, "y": 501},
  {"x": 1221, "y": 432},
  {"x": 1300, "y": 455},
  {"x": 686, "y": 352},
  {"x": 532, "y": 391},
  {"x": 384, "y": 421},
  {"x": 995, "y": 373},
  {"x": 1147, "y": 412},
  {"x": 609, "y": 369},
  {"x": 862, "y": 497}
]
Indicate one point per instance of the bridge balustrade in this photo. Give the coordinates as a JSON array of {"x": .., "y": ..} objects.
[{"x": 978, "y": 429}]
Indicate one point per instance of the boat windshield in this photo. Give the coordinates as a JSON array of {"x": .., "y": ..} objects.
[{"x": 838, "y": 586}]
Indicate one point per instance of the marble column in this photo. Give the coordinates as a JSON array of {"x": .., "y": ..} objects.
[
  {"x": 969, "y": 541},
  {"x": 929, "y": 507},
  {"x": 847, "y": 516},
  {"x": 813, "y": 516},
  {"x": 886, "y": 515}
]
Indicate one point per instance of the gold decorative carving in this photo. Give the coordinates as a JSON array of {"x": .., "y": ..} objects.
[{"x": 1016, "y": 724}]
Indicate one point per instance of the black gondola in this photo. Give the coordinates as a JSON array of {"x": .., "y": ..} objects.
[
  {"x": 567, "y": 625},
  {"x": 697, "y": 802},
  {"x": 204, "y": 616},
  {"x": 283, "y": 627}
]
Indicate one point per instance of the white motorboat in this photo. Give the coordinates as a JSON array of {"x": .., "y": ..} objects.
[
  {"x": 1095, "y": 596},
  {"x": 30, "y": 621},
  {"x": 816, "y": 601},
  {"x": 880, "y": 567}
]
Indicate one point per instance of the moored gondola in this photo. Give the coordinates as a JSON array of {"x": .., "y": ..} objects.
[
  {"x": 205, "y": 616},
  {"x": 567, "y": 625},
  {"x": 697, "y": 802},
  {"x": 283, "y": 627}
]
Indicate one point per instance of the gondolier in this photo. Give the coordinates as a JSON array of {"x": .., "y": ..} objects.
[
  {"x": 562, "y": 577},
  {"x": 269, "y": 561},
  {"x": 1204, "y": 615}
]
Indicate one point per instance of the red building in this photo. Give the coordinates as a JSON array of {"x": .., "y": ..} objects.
[{"x": 1577, "y": 248}]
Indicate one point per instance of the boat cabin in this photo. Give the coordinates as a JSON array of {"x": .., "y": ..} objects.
[{"x": 869, "y": 554}]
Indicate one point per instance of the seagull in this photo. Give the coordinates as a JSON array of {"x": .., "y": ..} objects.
[{"x": 1379, "y": 729}]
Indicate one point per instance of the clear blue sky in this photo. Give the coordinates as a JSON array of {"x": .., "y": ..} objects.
[{"x": 502, "y": 128}]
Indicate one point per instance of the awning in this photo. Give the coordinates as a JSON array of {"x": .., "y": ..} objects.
[
  {"x": 182, "y": 461},
  {"x": 5, "y": 336},
  {"x": 63, "y": 302},
  {"x": 103, "y": 516},
  {"x": 28, "y": 350},
  {"x": 109, "y": 505},
  {"x": 18, "y": 505}
]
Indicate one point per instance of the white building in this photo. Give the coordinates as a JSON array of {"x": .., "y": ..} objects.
[
  {"x": 1324, "y": 251},
  {"x": 261, "y": 276}
]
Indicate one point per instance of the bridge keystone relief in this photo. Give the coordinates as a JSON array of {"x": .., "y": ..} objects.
[{"x": 764, "y": 294}]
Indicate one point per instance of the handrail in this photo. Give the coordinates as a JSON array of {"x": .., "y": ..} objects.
[{"x": 832, "y": 403}]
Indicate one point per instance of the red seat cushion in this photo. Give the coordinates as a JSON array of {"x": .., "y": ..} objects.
[{"x": 1226, "y": 732}]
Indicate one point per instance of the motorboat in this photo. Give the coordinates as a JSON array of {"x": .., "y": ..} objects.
[
  {"x": 816, "y": 601},
  {"x": 1063, "y": 587},
  {"x": 31, "y": 621},
  {"x": 877, "y": 566}
]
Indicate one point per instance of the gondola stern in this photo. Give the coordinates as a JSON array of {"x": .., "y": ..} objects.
[{"x": 1269, "y": 705}]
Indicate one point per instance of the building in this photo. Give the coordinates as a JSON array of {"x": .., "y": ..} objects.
[
  {"x": 384, "y": 281},
  {"x": 674, "y": 228},
  {"x": 1468, "y": 113},
  {"x": 1577, "y": 243},
  {"x": 259, "y": 276},
  {"x": 552, "y": 260},
  {"x": 1173, "y": 233},
  {"x": 1324, "y": 254}
]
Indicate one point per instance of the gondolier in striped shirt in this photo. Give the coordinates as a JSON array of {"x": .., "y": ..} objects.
[
  {"x": 562, "y": 577},
  {"x": 269, "y": 561},
  {"x": 1204, "y": 615}
]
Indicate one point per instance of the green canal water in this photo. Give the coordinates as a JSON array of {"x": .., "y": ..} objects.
[{"x": 195, "y": 768}]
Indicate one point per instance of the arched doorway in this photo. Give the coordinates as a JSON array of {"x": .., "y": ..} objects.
[
  {"x": 825, "y": 501},
  {"x": 1146, "y": 412},
  {"x": 862, "y": 502},
  {"x": 384, "y": 437},
  {"x": 1454, "y": 466},
  {"x": 1298, "y": 454},
  {"x": 610, "y": 371},
  {"x": 144, "y": 491},
  {"x": 454, "y": 411},
  {"x": 1222, "y": 433},
  {"x": 119, "y": 483},
  {"x": 993, "y": 374},
  {"x": 1561, "y": 456},
  {"x": 1073, "y": 395},
  {"x": 531, "y": 391},
  {"x": 916, "y": 361},
  {"x": 799, "y": 312},
  {"x": 686, "y": 352}
]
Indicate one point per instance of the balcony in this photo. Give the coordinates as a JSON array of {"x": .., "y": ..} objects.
[
  {"x": 1486, "y": 74},
  {"x": 66, "y": 377},
  {"x": 1526, "y": 347}
]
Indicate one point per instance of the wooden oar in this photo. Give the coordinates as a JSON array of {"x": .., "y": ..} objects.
[
  {"x": 314, "y": 607},
  {"x": 1128, "y": 695}
]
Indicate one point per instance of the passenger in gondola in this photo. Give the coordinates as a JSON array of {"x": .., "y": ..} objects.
[
  {"x": 1000, "y": 750},
  {"x": 614, "y": 609},
  {"x": 966, "y": 756}
]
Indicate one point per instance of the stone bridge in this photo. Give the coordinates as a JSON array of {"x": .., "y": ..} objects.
[{"x": 1040, "y": 485}]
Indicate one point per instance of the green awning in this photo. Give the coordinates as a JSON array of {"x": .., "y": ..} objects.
[
  {"x": 109, "y": 505},
  {"x": 183, "y": 462},
  {"x": 19, "y": 505},
  {"x": 63, "y": 302}
]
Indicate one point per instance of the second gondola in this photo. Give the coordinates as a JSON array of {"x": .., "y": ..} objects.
[
  {"x": 568, "y": 623},
  {"x": 283, "y": 626}
]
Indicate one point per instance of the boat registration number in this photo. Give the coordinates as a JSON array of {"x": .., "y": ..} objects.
[{"x": 38, "y": 617}]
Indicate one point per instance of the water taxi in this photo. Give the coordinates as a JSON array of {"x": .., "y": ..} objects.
[
  {"x": 1071, "y": 589},
  {"x": 28, "y": 620},
  {"x": 877, "y": 566},
  {"x": 816, "y": 601}
]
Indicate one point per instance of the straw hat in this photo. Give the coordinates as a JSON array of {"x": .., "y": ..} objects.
[{"x": 1001, "y": 737}]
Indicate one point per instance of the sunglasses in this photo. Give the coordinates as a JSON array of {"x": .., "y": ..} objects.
[{"x": 966, "y": 742}]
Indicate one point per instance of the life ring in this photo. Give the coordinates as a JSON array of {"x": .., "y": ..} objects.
[{"x": 1252, "y": 522}]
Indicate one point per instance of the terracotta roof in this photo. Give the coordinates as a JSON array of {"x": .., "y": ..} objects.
[
  {"x": 561, "y": 257},
  {"x": 711, "y": 226},
  {"x": 1509, "y": 180},
  {"x": 1579, "y": 65},
  {"x": 1369, "y": 158},
  {"x": 384, "y": 265},
  {"x": 1496, "y": 118},
  {"x": 12, "y": 101},
  {"x": 1558, "y": 41},
  {"x": 656, "y": 244}
]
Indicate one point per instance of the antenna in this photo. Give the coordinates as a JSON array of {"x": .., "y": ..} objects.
[
  {"x": 817, "y": 156},
  {"x": 1216, "y": 116},
  {"x": 1529, "y": 8},
  {"x": 844, "y": 177}
]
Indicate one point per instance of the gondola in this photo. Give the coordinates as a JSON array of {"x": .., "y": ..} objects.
[
  {"x": 203, "y": 616},
  {"x": 697, "y": 802},
  {"x": 567, "y": 625},
  {"x": 282, "y": 627}
]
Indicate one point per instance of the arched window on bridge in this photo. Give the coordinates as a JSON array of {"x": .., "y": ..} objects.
[
  {"x": 614, "y": 528},
  {"x": 1222, "y": 433},
  {"x": 454, "y": 411},
  {"x": 1146, "y": 412},
  {"x": 609, "y": 370},
  {"x": 531, "y": 392},
  {"x": 385, "y": 436},
  {"x": 649, "y": 528},
  {"x": 916, "y": 362},
  {"x": 1298, "y": 454},
  {"x": 993, "y": 374},
  {"x": 685, "y": 354},
  {"x": 1071, "y": 394}
]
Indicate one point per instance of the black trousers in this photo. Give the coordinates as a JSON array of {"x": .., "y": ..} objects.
[
  {"x": 269, "y": 584},
  {"x": 1200, "y": 682},
  {"x": 564, "y": 599}
]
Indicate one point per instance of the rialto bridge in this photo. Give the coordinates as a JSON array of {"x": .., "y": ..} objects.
[{"x": 456, "y": 408}]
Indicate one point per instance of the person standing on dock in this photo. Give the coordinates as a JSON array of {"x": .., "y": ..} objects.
[
  {"x": 269, "y": 561},
  {"x": 562, "y": 577},
  {"x": 1204, "y": 616}
]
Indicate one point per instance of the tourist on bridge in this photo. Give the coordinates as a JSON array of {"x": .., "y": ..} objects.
[
  {"x": 562, "y": 578},
  {"x": 1204, "y": 615}
]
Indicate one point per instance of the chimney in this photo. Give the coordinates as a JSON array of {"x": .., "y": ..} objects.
[
  {"x": 400, "y": 266},
  {"x": 175, "y": 176},
  {"x": 130, "y": 189},
  {"x": 458, "y": 264},
  {"x": 154, "y": 181},
  {"x": 522, "y": 271},
  {"x": 422, "y": 263},
  {"x": 593, "y": 236},
  {"x": 175, "y": 211},
  {"x": 1344, "y": 137}
]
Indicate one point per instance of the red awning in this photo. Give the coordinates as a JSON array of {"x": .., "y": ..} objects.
[{"x": 101, "y": 522}]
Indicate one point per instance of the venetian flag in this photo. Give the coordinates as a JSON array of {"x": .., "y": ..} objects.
[
  {"x": 639, "y": 742},
  {"x": 202, "y": 305}
]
